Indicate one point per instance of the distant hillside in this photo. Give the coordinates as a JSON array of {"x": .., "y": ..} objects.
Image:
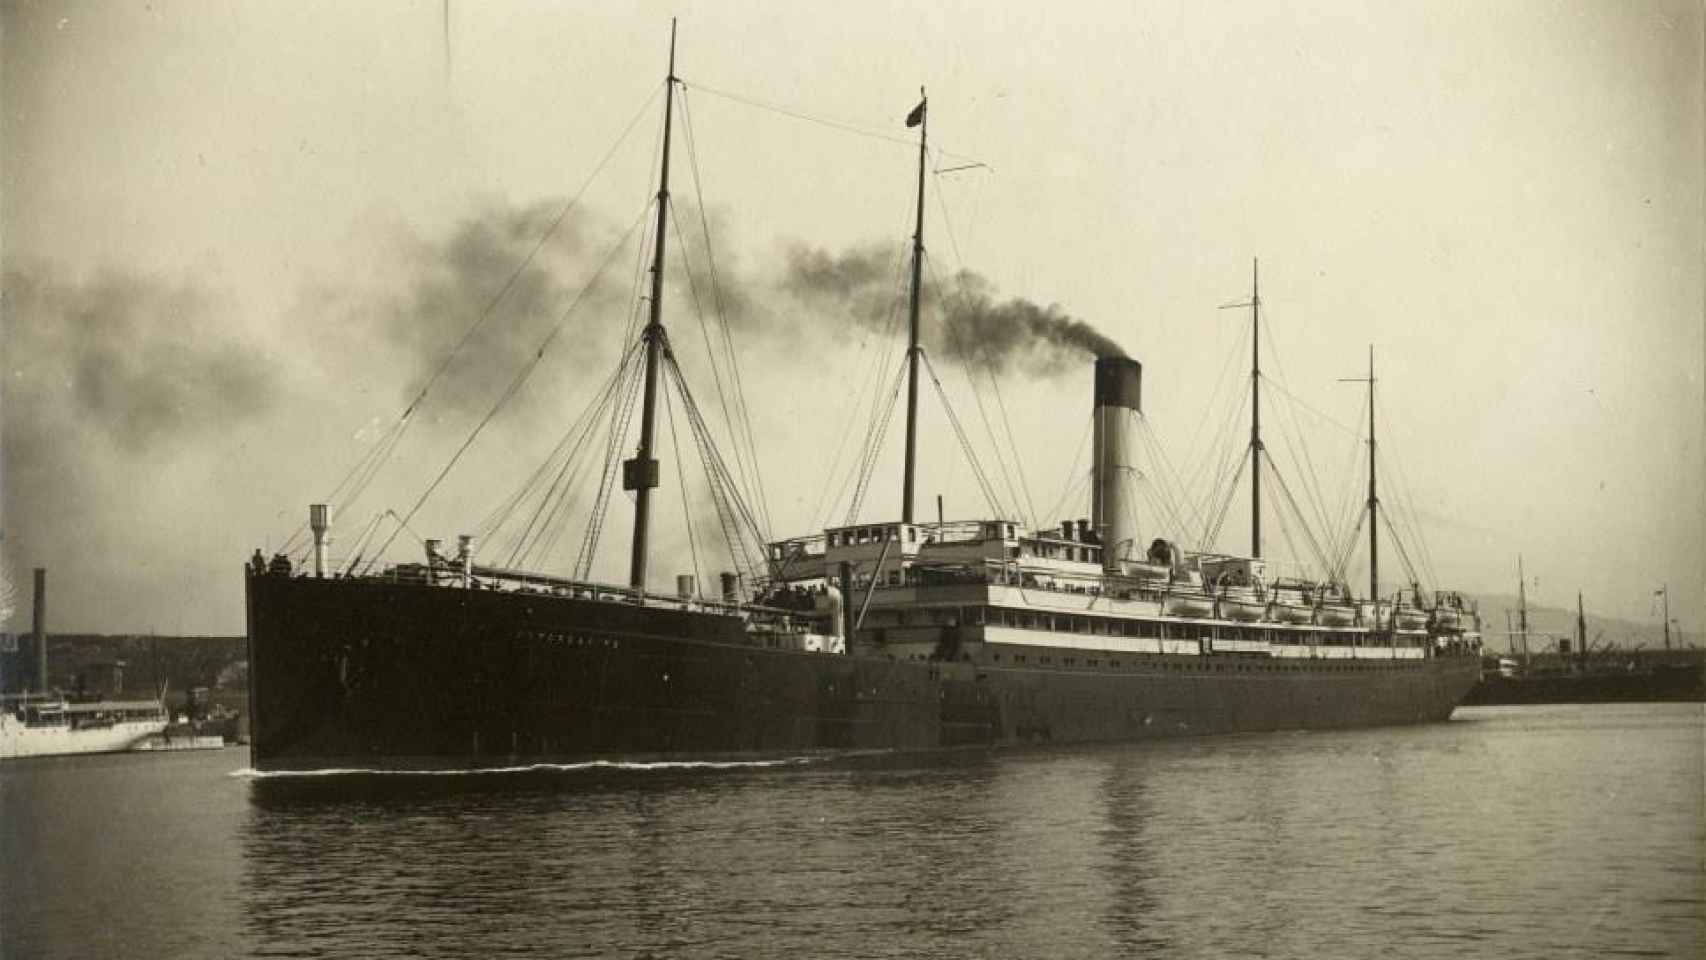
[
  {"x": 87, "y": 661},
  {"x": 1546, "y": 624}
]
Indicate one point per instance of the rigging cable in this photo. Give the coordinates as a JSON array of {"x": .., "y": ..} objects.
[
  {"x": 967, "y": 366},
  {"x": 1018, "y": 461},
  {"x": 515, "y": 384},
  {"x": 1297, "y": 513},
  {"x": 1173, "y": 505},
  {"x": 965, "y": 441},
  {"x": 622, "y": 414},
  {"x": 755, "y": 484},
  {"x": 361, "y": 541},
  {"x": 824, "y": 505},
  {"x": 569, "y": 449},
  {"x": 733, "y": 513},
  {"x": 681, "y": 478},
  {"x": 1407, "y": 495},
  {"x": 841, "y": 125},
  {"x": 1227, "y": 473},
  {"x": 874, "y": 441},
  {"x": 1212, "y": 533},
  {"x": 389, "y": 442},
  {"x": 1073, "y": 479},
  {"x": 1301, "y": 456}
]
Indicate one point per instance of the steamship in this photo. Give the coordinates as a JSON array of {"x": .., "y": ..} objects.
[{"x": 880, "y": 636}]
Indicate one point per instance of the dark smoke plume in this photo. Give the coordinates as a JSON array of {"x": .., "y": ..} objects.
[
  {"x": 427, "y": 292},
  {"x": 967, "y": 322},
  {"x": 109, "y": 383},
  {"x": 143, "y": 363},
  {"x": 977, "y": 328}
]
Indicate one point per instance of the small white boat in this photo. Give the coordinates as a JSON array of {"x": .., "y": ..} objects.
[{"x": 42, "y": 725}]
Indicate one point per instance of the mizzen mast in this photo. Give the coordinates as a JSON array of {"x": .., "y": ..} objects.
[
  {"x": 917, "y": 119},
  {"x": 1373, "y": 498},
  {"x": 641, "y": 473}
]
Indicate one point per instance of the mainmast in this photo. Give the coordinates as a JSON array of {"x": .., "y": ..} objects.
[
  {"x": 1255, "y": 306},
  {"x": 919, "y": 118},
  {"x": 641, "y": 473},
  {"x": 1255, "y": 410}
]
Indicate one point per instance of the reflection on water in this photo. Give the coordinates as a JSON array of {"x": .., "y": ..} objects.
[{"x": 1569, "y": 831}]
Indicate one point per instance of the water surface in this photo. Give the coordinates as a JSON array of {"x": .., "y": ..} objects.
[{"x": 1568, "y": 831}]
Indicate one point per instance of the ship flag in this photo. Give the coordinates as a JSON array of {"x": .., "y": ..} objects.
[{"x": 916, "y": 117}]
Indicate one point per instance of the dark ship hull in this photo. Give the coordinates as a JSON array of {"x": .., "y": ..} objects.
[
  {"x": 365, "y": 673},
  {"x": 1671, "y": 683}
]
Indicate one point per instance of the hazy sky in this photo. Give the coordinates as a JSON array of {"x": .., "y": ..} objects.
[{"x": 237, "y": 236}]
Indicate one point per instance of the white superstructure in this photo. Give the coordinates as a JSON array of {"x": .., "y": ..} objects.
[{"x": 47, "y": 725}]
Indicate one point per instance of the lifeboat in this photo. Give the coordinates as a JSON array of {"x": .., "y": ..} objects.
[
  {"x": 1409, "y": 618},
  {"x": 1447, "y": 618},
  {"x": 1286, "y": 613},
  {"x": 1243, "y": 611},
  {"x": 1334, "y": 616},
  {"x": 1187, "y": 605}
]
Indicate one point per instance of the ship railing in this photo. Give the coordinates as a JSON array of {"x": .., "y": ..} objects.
[
  {"x": 494, "y": 577},
  {"x": 1014, "y": 574},
  {"x": 500, "y": 578},
  {"x": 28, "y": 699},
  {"x": 810, "y": 546},
  {"x": 962, "y": 531}
]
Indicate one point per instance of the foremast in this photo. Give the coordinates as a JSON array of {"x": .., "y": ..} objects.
[
  {"x": 919, "y": 119},
  {"x": 641, "y": 473}
]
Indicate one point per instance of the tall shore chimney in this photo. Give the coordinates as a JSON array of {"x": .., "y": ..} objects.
[
  {"x": 319, "y": 524},
  {"x": 1113, "y": 512},
  {"x": 41, "y": 628}
]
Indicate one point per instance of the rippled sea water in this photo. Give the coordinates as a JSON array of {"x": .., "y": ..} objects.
[{"x": 1569, "y": 831}]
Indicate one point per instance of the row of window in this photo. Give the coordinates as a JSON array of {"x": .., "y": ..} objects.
[
  {"x": 854, "y": 536},
  {"x": 1061, "y": 551},
  {"x": 1203, "y": 665},
  {"x": 1100, "y": 626}
]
